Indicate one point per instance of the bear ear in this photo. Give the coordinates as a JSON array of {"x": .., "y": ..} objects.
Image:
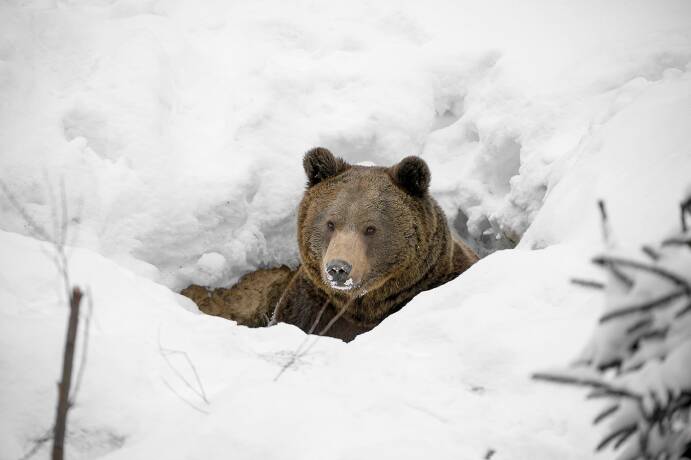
[
  {"x": 412, "y": 175},
  {"x": 320, "y": 164}
]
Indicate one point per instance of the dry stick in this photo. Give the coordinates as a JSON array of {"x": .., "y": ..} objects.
[
  {"x": 64, "y": 385},
  {"x": 297, "y": 353},
  {"x": 85, "y": 345},
  {"x": 683, "y": 311},
  {"x": 606, "y": 236},
  {"x": 638, "y": 325},
  {"x": 677, "y": 241},
  {"x": 165, "y": 352},
  {"x": 328, "y": 325},
  {"x": 170, "y": 387},
  {"x": 614, "y": 391},
  {"x": 650, "y": 252},
  {"x": 685, "y": 207},
  {"x": 588, "y": 283},
  {"x": 74, "y": 296},
  {"x": 605, "y": 413},
  {"x": 38, "y": 443},
  {"x": 604, "y": 221},
  {"x": 621, "y": 434}
]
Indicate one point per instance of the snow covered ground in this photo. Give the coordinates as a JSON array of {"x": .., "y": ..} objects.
[
  {"x": 177, "y": 129},
  {"x": 442, "y": 379}
]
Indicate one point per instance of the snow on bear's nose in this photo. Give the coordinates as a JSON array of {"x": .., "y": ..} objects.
[{"x": 338, "y": 273}]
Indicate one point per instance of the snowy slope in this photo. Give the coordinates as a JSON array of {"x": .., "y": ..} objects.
[
  {"x": 447, "y": 378},
  {"x": 177, "y": 129}
]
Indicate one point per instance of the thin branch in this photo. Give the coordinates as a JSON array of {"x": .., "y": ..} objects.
[
  {"x": 650, "y": 252},
  {"x": 622, "y": 433},
  {"x": 85, "y": 345},
  {"x": 674, "y": 278},
  {"x": 324, "y": 330},
  {"x": 170, "y": 387},
  {"x": 593, "y": 383},
  {"x": 685, "y": 207},
  {"x": 683, "y": 311},
  {"x": 605, "y": 413},
  {"x": 37, "y": 444},
  {"x": 298, "y": 352},
  {"x": 648, "y": 306},
  {"x": 64, "y": 385},
  {"x": 604, "y": 221},
  {"x": 637, "y": 326},
  {"x": 35, "y": 228},
  {"x": 677, "y": 241},
  {"x": 588, "y": 283},
  {"x": 165, "y": 352}
]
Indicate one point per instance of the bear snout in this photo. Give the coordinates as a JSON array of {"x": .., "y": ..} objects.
[
  {"x": 338, "y": 272},
  {"x": 345, "y": 262}
]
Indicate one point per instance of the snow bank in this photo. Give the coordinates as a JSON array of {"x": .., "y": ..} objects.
[
  {"x": 178, "y": 127},
  {"x": 447, "y": 377}
]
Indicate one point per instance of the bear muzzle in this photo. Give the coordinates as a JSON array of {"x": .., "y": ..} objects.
[{"x": 345, "y": 262}]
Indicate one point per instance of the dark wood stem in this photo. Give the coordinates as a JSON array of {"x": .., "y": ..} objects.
[{"x": 66, "y": 381}]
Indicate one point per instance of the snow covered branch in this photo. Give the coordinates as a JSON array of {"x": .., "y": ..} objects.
[{"x": 639, "y": 356}]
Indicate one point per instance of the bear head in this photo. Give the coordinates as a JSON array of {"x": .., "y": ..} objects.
[{"x": 363, "y": 227}]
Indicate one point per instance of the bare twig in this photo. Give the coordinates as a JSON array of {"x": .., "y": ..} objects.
[
  {"x": 638, "y": 325},
  {"x": 685, "y": 208},
  {"x": 74, "y": 296},
  {"x": 677, "y": 241},
  {"x": 606, "y": 413},
  {"x": 85, "y": 345},
  {"x": 650, "y": 252},
  {"x": 588, "y": 283},
  {"x": 37, "y": 444},
  {"x": 604, "y": 221},
  {"x": 683, "y": 311},
  {"x": 297, "y": 354},
  {"x": 199, "y": 389},
  {"x": 593, "y": 383},
  {"x": 170, "y": 387},
  {"x": 64, "y": 385},
  {"x": 620, "y": 436}
]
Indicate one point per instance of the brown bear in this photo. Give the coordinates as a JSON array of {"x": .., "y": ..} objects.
[{"x": 370, "y": 239}]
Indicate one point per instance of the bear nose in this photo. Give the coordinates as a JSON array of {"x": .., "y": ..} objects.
[{"x": 338, "y": 270}]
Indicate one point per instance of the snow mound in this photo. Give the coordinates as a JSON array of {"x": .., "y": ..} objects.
[
  {"x": 447, "y": 377},
  {"x": 177, "y": 128}
]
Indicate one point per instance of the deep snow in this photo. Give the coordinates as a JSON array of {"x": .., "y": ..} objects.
[
  {"x": 448, "y": 377},
  {"x": 177, "y": 129}
]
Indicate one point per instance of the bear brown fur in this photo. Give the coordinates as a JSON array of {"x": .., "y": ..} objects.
[
  {"x": 370, "y": 239},
  {"x": 250, "y": 301}
]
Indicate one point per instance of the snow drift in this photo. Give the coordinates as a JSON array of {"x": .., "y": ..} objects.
[{"x": 177, "y": 129}]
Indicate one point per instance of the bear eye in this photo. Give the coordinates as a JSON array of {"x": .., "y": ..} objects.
[
  {"x": 330, "y": 226},
  {"x": 370, "y": 230}
]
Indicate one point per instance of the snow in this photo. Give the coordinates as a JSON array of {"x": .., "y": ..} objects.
[
  {"x": 178, "y": 128},
  {"x": 447, "y": 377},
  {"x": 176, "y": 131}
]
